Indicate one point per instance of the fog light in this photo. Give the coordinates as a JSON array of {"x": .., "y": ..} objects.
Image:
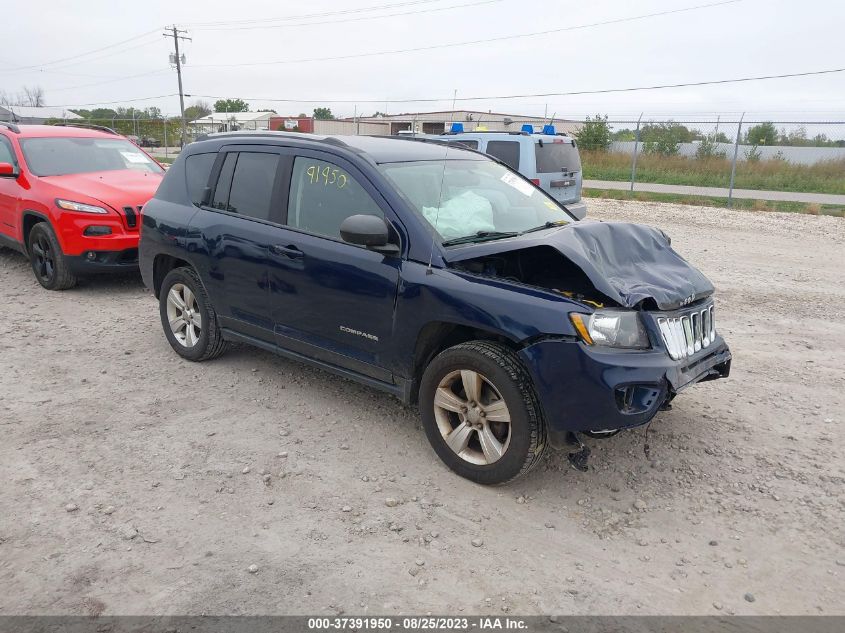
[
  {"x": 93, "y": 231},
  {"x": 91, "y": 255}
]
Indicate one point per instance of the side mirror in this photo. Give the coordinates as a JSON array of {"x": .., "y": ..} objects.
[
  {"x": 367, "y": 230},
  {"x": 7, "y": 170}
]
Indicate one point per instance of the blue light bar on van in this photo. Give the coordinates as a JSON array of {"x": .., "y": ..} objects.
[
  {"x": 528, "y": 128},
  {"x": 549, "y": 129},
  {"x": 457, "y": 128}
]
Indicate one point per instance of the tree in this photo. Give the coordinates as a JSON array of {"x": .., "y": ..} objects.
[
  {"x": 594, "y": 134},
  {"x": 762, "y": 134},
  {"x": 32, "y": 96},
  {"x": 664, "y": 138},
  {"x": 197, "y": 110},
  {"x": 708, "y": 148},
  {"x": 231, "y": 105},
  {"x": 323, "y": 114}
]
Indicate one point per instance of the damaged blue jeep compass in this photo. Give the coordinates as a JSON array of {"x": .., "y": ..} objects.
[{"x": 434, "y": 273}]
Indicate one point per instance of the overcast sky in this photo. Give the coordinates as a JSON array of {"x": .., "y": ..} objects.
[{"x": 739, "y": 39}]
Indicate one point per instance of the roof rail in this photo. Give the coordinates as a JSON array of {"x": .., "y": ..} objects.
[
  {"x": 12, "y": 127},
  {"x": 88, "y": 126}
]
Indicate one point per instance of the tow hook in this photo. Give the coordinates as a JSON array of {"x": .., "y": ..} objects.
[{"x": 579, "y": 458}]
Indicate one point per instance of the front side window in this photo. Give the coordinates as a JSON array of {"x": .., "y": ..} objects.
[
  {"x": 63, "y": 156},
  {"x": 323, "y": 195},
  {"x": 7, "y": 154},
  {"x": 478, "y": 198},
  {"x": 505, "y": 151}
]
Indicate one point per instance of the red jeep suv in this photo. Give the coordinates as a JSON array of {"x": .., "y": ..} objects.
[{"x": 71, "y": 199}]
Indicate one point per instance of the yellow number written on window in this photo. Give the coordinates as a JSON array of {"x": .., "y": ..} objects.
[{"x": 327, "y": 176}]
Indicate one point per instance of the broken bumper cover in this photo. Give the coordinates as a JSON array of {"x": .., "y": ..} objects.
[{"x": 584, "y": 388}]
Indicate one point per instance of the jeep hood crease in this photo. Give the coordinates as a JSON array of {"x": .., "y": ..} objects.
[{"x": 628, "y": 263}]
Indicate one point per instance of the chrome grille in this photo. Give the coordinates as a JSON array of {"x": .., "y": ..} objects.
[{"x": 687, "y": 334}]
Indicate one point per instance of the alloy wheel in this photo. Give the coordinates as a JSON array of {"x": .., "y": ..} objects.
[
  {"x": 183, "y": 314},
  {"x": 45, "y": 264},
  {"x": 472, "y": 417}
]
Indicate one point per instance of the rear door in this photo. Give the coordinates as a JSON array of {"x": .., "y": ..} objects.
[
  {"x": 235, "y": 223},
  {"x": 331, "y": 300},
  {"x": 558, "y": 166}
]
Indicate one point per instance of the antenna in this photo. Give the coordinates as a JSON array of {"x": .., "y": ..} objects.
[{"x": 429, "y": 271}]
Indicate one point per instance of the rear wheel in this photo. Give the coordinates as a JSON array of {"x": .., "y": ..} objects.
[
  {"x": 480, "y": 412},
  {"x": 188, "y": 318},
  {"x": 48, "y": 262}
]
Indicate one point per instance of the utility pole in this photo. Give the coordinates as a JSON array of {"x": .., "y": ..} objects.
[{"x": 175, "y": 34}]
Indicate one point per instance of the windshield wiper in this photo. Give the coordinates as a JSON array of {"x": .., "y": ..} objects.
[
  {"x": 480, "y": 236},
  {"x": 547, "y": 225}
]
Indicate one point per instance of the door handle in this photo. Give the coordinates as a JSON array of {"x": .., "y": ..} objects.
[{"x": 288, "y": 251}]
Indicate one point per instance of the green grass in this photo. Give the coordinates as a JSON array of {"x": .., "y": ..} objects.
[
  {"x": 707, "y": 201},
  {"x": 766, "y": 175},
  {"x": 162, "y": 159}
]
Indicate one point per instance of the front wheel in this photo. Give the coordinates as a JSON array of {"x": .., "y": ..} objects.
[
  {"x": 47, "y": 259},
  {"x": 188, "y": 318},
  {"x": 480, "y": 412}
]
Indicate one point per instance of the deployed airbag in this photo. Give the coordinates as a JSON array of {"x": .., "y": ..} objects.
[{"x": 465, "y": 214}]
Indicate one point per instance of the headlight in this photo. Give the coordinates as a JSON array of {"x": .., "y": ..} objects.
[
  {"x": 70, "y": 205},
  {"x": 611, "y": 328}
]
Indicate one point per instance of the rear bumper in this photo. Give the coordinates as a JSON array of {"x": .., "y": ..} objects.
[
  {"x": 590, "y": 389},
  {"x": 578, "y": 209}
]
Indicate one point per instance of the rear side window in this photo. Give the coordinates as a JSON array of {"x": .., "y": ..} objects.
[
  {"x": 197, "y": 171},
  {"x": 252, "y": 185},
  {"x": 224, "y": 182},
  {"x": 505, "y": 151},
  {"x": 557, "y": 157}
]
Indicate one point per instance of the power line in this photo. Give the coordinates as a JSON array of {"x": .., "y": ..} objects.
[
  {"x": 346, "y": 20},
  {"x": 544, "y": 94},
  {"x": 109, "y": 81},
  {"x": 324, "y": 14},
  {"x": 102, "y": 103},
  {"x": 473, "y": 42},
  {"x": 78, "y": 55}
]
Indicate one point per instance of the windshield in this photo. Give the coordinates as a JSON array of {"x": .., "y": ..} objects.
[
  {"x": 557, "y": 156},
  {"x": 479, "y": 198},
  {"x": 62, "y": 156}
]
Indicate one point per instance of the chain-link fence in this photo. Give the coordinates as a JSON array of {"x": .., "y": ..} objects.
[{"x": 716, "y": 157}]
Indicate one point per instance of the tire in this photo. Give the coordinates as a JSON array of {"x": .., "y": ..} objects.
[
  {"x": 196, "y": 336},
  {"x": 504, "y": 390},
  {"x": 47, "y": 259}
]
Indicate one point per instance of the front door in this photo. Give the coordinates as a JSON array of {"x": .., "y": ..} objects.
[
  {"x": 332, "y": 300},
  {"x": 9, "y": 193}
]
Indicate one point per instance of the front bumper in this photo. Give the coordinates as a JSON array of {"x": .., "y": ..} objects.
[
  {"x": 95, "y": 261},
  {"x": 583, "y": 388}
]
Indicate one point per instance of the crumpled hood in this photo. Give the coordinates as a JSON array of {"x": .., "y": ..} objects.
[{"x": 628, "y": 263}]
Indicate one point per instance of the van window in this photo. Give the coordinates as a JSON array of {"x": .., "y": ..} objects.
[
  {"x": 467, "y": 143},
  {"x": 505, "y": 151},
  {"x": 557, "y": 157},
  {"x": 197, "y": 170}
]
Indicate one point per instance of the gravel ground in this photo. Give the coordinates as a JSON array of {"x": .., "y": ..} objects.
[{"x": 137, "y": 483}]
